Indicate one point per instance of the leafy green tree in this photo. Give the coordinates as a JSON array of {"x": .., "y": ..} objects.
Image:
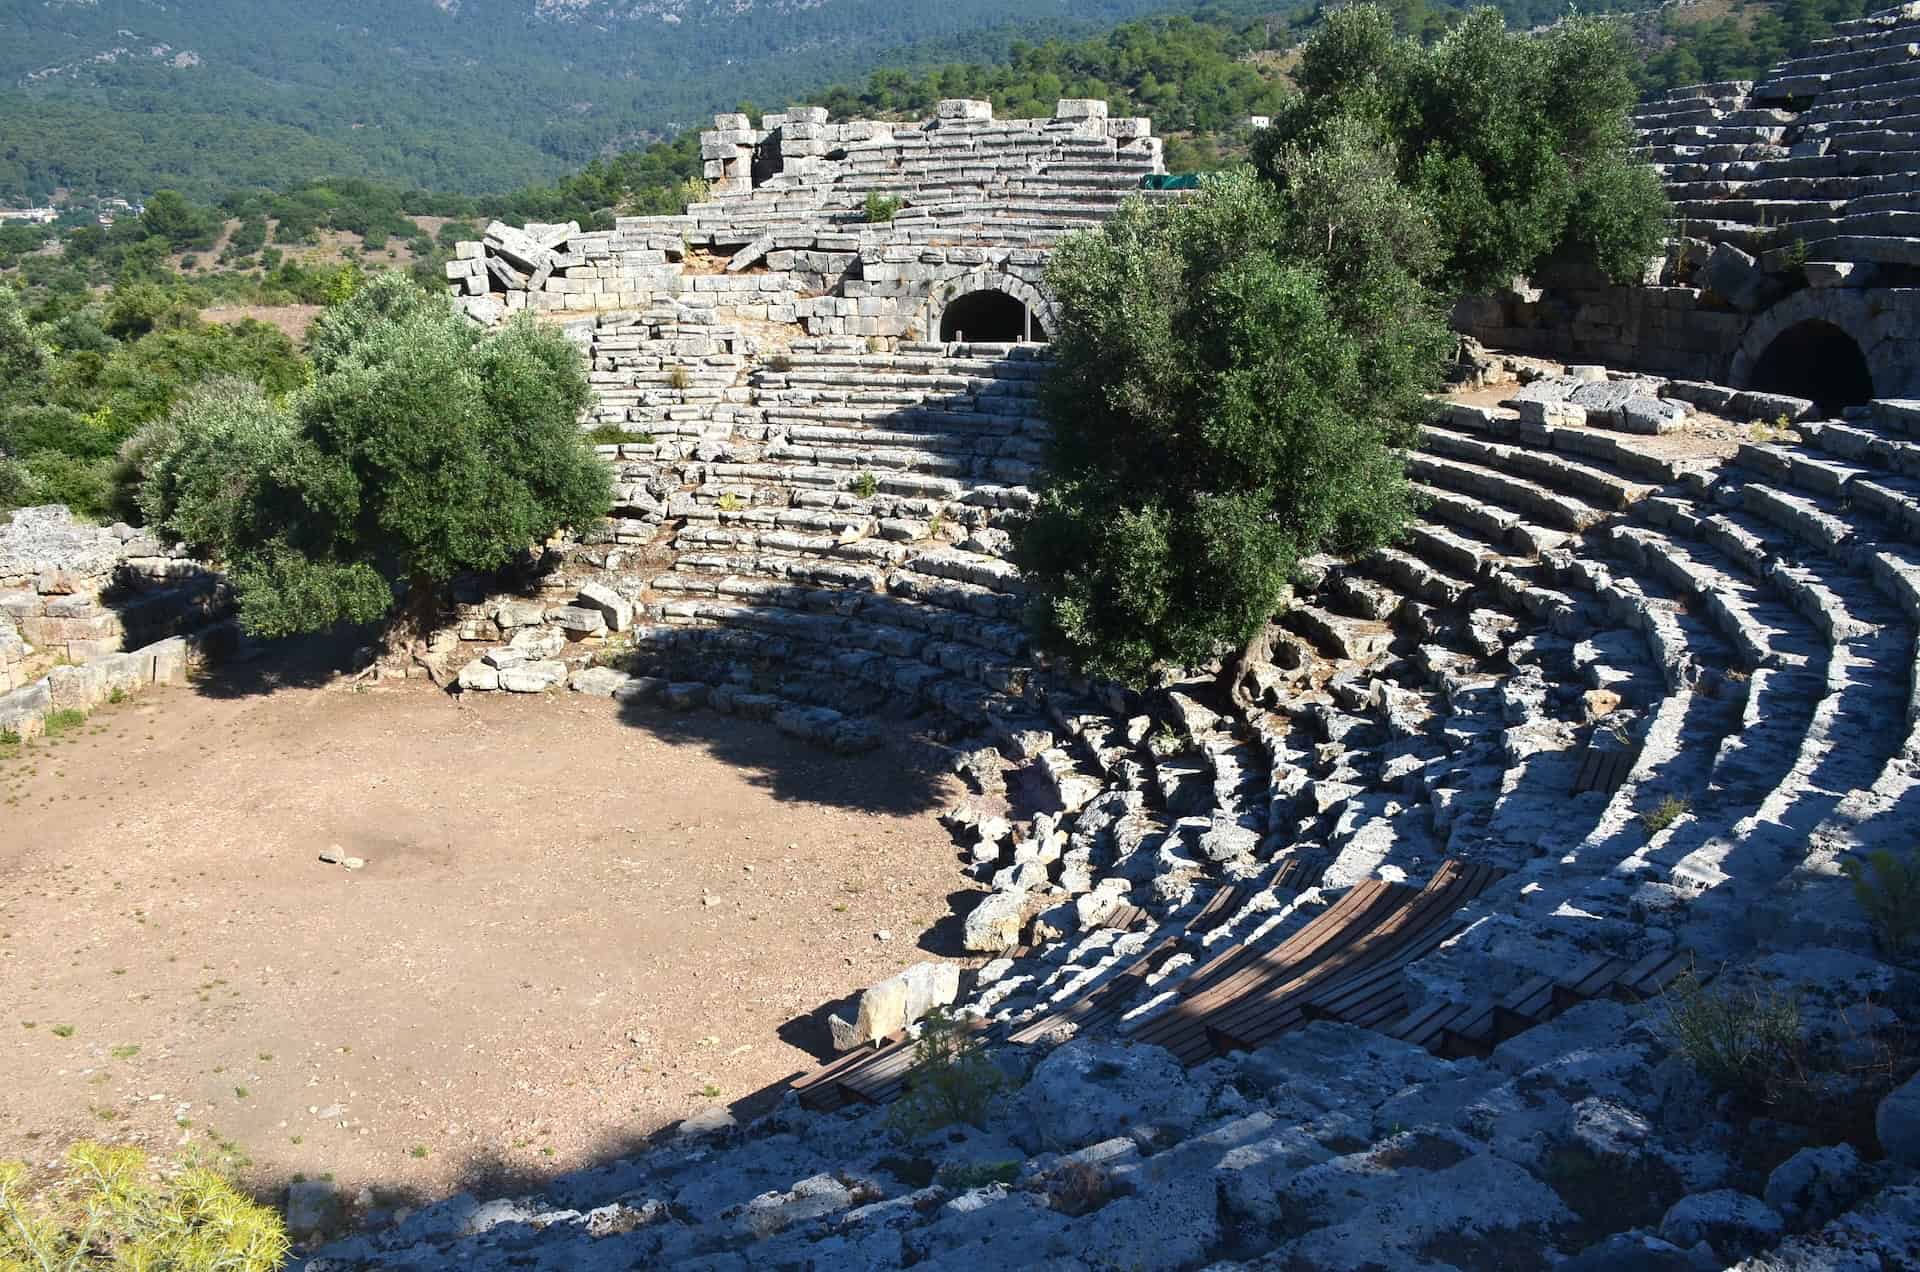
[
  {"x": 423, "y": 449},
  {"x": 1518, "y": 144},
  {"x": 183, "y": 225},
  {"x": 1233, "y": 375},
  {"x": 23, "y": 356},
  {"x": 200, "y": 468}
]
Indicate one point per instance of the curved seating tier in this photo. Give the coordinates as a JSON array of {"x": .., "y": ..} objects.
[{"x": 1819, "y": 157}]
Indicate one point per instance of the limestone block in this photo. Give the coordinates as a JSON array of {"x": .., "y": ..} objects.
[
  {"x": 1080, "y": 108},
  {"x": 58, "y": 582},
  {"x": 958, "y": 108},
  {"x": 1085, "y": 1092},
  {"x": 538, "y": 642},
  {"x": 601, "y": 682},
  {"x": 894, "y": 1003},
  {"x": 24, "y": 711},
  {"x": 519, "y": 613},
  {"x": 170, "y": 657},
  {"x": 76, "y": 688},
  {"x": 478, "y": 675},
  {"x": 534, "y": 677},
  {"x": 578, "y": 621},
  {"x": 993, "y": 926}
]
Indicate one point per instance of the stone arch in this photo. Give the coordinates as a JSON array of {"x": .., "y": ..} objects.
[
  {"x": 932, "y": 316},
  {"x": 1815, "y": 359},
  {"x": 1817, "y": 318}
]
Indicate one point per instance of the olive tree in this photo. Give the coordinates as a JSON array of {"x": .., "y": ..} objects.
[
  {"x": 423, "y": 448},
  {"x": 1235, "y": 376},
  {"x": 1520, "y": 145}
]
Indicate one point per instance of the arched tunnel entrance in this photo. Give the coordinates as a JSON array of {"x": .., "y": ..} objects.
[
  {"x": 1815, "y": 359},
  {"x": 991, "y": 317}
]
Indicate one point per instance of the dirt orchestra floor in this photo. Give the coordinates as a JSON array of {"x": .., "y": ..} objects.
[{"x": 576, "y": 924}]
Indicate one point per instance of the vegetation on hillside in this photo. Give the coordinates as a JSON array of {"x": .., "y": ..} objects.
[
  {"x": 423, "y": 448},
  {"x": 1744, "y": 42},
  {"x": 1236, "y": 373},
  {"x": 482, "y": 96},
  {"x": 79, "y": 375}
]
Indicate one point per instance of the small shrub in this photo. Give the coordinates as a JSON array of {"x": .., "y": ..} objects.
[
  {"x": 1888, "y": 889},
  {"x": 107, "y": 1209},
  {"x": 978, "y": 1174},
  {"x": 935, "y": 524},
  {"x": 1664, "y": 814},
  {"x": 880, "y": 209},
  {"x": 866, "y": 485},
  {"x": 1080, "y": 1189},
  {"x": 1166, "y": 741},
  {"x": 953, "y": 1080},
  {"x": 728, "y": 501},
  {"x": 64, "y": 721},
  {"x": 418, "y": 1152},
  {"x": 63, "y": 1031},
  {"x": 1740, "y": 1039},
  {"x": 780, "y": 362},
  {"x": 680, "y": 378}
]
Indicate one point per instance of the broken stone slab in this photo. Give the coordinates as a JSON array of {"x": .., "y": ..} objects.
[
  {"x": 534, "y": 677},
  {"x": 601, "y": 682},
  {"x": 517, "y": 247},
  {"x": 1736, "y": 279},
  {"x": 312, "y": 1205},
  {"x": 578, "y": 621},
  {"x": 615, "y": 610},
  {"x": 501, "y": 659},
  {"x": 1749, "y": 404},
  {"x": 891, "y": 1005}
]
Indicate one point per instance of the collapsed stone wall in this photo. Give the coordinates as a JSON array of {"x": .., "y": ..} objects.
[
  {"x": 87, "y": 610},
  {"x": 979, "y": 202},
  {"x": 1794, "y": 203}
]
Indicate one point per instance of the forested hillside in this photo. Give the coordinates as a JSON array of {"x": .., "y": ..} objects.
[{"x": 125, "y": 96}]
